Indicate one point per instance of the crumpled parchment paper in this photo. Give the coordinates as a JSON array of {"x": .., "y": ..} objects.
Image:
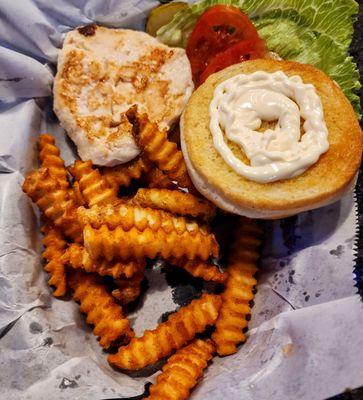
[{"x": 305, "y": 337}]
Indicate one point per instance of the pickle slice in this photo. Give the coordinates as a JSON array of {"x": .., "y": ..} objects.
[{"x": 162, "y": 15}]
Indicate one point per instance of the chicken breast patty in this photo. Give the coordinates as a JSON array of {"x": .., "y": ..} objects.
[{"x": 101, "y": 73}]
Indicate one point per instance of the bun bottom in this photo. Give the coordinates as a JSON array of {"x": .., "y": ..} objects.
[{"x": 221, "y": 201}]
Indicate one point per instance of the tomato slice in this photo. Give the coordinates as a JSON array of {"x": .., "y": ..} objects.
[
  {"x": 219, "y": 28},
  {"x": 243, "y": 51}
]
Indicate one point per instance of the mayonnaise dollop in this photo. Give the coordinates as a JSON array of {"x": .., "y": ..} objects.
[{"x": 237, "y": 110}]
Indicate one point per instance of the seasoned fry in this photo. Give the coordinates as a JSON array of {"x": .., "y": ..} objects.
[
  {"x": 128, "y": 290},
  {"x": 77, "y": 195},
  {"x": 175, "y": 202},
  {"x": 239, "y": 288},
  {"x": 49, "y": 157},
  {"x": 77, "y": 257},
  {"x": 117, "y": 243},
  {"x": 201, "y": 269},
  {"x": 54, "y": 248},
  {"x": 56, "y": 202},
  {"x": 159, "y": 149},
  {"x": 179, "y": 329},
  {"x": 94, "y": 188},
  {"x": 247, "y": 240},
  {"x": 182, "y": 371},
  {"x": 128, "y": 216},
  {"x": 110, "y": 325},
  {"x": 122, "y": 175},
  {"x": 157, "y": 179}
]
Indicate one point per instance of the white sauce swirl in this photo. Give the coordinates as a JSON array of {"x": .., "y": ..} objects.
[{"x": 237, "y": 110}]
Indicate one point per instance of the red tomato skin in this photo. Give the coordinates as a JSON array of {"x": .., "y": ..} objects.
[
  {"x": 216, "y": 30},
  {"x": 243, "y": 51}
]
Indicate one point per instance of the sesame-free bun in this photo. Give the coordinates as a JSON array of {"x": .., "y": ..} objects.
[{"x": 324, "y": 182}]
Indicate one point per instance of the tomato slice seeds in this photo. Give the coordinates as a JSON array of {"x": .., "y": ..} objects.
[{"x": 217, "y": 30}]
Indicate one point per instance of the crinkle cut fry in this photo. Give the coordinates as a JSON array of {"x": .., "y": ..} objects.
[
  {"x": 55, "y": 201},
  {"x": 128, "y": 289},
  {"x": 179, "y": 329},
  {"x": 122, "y": 175},
  {"x": 247, "y": 239},
  {"x": 120, "y": 244},
  {"x": 77, "y": 195},
  {"x": 55, "y": 246},
  {"x": 201, "y": 269},
  {"x": 157, "y": 179},
  {"x": 49, "y": 157},
  {"x": 175, "y": 202},
  {"x": 77, "y": 257},
  {"x": 127, "y": 216},
  {"x": 182, "y": 371},
  {"x": 94, "y": 187},
  {"x": 110, "y": 325},
  {"x": 159, "y": 149},
  {"x": 238, "y": 289}
]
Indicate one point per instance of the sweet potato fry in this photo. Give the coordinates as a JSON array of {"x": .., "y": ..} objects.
[
  {"x": 110, "y": 325},
  {"x": 157, "y": 179},
  {"x": 128, "y": 289},
  {"x": 55, "y": 246},
  {"x": 94, "y": 188},
  {"x": 159, "y": 149},
  {"x": 182, "y": 371},
  {"x": 77, "y": 257},
  {"x": 122, "y": 175},
  {"x": 118, "y": 243},
  {"x": 175, "y": 202},
  {"x": 180, "y": 328},
  {"x": 49, "y": 157},
  {"x": 55, "y": 201},
  {"x": 239, "y": 288},
  {"x": 128, "y": 216},
  {"x": 201, "y": 269}
]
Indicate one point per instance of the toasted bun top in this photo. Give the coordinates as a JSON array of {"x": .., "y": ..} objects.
[{"x": 320, "y": 184}]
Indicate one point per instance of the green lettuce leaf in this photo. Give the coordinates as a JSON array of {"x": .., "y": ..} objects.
[{"x": 309, "y": 31}]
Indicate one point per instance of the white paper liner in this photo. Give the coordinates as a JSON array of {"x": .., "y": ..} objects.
[{"x": 305, "y": 339}]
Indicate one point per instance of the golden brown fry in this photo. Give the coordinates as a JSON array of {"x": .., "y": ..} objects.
[
  {"x": 182, "y": 371},
  {"x": 77, "y": 195},
  {"x": 55, "y": 246},
  {"x": 180, "y": 328},
  {"x": 94, "y": 188},
  {"x": 175, "y": 202},
  {"x": 55, "y": 201},
  {"x": 77, "y": 257},
  {"x": 117, "y": 243},
  {"x": 159, "y": 149},
  {"x": 127, "y": 216},
  {"x": 110, "y": 325},
  {"x": 201, "y": 269},
  {"x": 128, "y": 289},
  {"x": 239, "y": 288},
  {"x": 122, "y": 175},
  {"x": 247, "y": 240},
  {"x": 49, "y": 157},
  {"x": 157, "y": 179}
]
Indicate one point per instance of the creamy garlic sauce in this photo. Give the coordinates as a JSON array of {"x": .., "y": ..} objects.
[{"x": 237, "y": 110}]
